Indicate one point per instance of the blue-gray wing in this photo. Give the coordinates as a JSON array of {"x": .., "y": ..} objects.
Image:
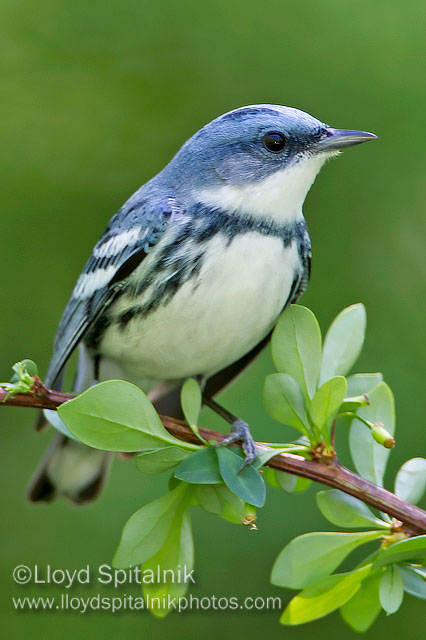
[{"x": 128, "y": 238}]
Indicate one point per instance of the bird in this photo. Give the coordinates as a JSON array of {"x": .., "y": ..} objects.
[{"x": 191, "y": 275}]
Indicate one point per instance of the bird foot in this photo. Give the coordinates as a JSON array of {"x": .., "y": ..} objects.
[{"x": 241, "y": 431}]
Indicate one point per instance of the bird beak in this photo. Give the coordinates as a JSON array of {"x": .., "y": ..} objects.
[{"x": 342, "y": 138}]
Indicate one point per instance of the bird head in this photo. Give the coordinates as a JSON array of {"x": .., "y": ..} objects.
[{"x": 258, "y": 159}]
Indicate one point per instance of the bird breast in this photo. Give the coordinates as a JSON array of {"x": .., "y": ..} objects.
[{"x": 219, "y": 313}]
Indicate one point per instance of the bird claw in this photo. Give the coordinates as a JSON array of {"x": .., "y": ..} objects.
[{"x": 241, "y": 431}]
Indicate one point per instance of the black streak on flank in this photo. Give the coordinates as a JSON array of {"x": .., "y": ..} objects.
[
  {"x": 95, "y": 334},
  {"x": 167, "y": 277}
]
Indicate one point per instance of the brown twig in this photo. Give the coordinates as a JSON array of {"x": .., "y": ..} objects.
[{"x": 332, "y": 474}]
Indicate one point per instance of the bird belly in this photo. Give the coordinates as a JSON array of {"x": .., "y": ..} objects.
[{"x": 214, "y": 318}]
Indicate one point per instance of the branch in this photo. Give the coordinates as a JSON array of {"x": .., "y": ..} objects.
[{"x": 333, "y": 474}]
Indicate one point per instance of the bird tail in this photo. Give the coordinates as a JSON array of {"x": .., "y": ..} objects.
[{"x": 69, "y": 469}]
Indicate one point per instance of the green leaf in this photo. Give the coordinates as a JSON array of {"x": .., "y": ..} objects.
[
  {"x": 313, "y": 556},
  {"x": 344, "y": 510},
  {"x": 296, "y": 347},
  {"x": 284, "y": 401},
  {"x": 23, "y": 369},
  {"x": 248, "y": 484},
  {"x": 175, "y": 556},
  {"x": 208, "y": 499},
  {"x": 219, "y": 500},
  {"x": 326, "y": 403},
  {"x": 410, "y": 549},
  {"x": 369, "y": 457},
  {"x": 414, "y": 582},
  {"x": 289, "y": 482},
  {"x": 191, "y": 401},
  {"x": 270, "y": 476},
  {"x": 147, "y": 529},
  {"x": 159, "y": 460},
  {"x": 117, "y": 416},
  {"x": 410, "y": 480},
  {"x": 343, "y": 342},
  {"x": 323, "y": 597},
  {"x": 360, "y": 383},
  {"x": 353, "y": 403},
  {"x": 302, "y": 484},
  {"x": 200, "y": 468},
  {"x": 23, "y": 379},
  {"x": 264, "y": 455},
  {"x": 286, "y": 481},
  {"x": 363, "y": 608},
  {"x": 391, "y": 591}
]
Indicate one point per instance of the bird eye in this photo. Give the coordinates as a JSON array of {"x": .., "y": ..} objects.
[{"x": 274, "y": 141}]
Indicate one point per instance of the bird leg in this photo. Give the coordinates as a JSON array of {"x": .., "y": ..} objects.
[{"x": 239, "y": 431}]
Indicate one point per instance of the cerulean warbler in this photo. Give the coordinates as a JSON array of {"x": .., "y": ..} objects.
[{"x": 192, "y": 273}]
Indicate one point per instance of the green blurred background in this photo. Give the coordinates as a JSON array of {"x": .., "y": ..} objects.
[{"x": 95, "y": 97}]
